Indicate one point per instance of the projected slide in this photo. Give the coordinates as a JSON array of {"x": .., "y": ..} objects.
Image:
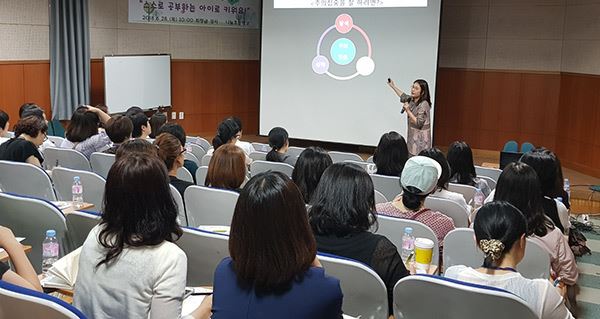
[{"x": 325, "y": 63}]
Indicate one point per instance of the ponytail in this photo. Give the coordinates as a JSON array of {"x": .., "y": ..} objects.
[{"x": 410, "y": 199}]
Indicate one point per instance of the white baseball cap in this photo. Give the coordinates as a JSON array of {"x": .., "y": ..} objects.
[{"x": 421, "y": 173}]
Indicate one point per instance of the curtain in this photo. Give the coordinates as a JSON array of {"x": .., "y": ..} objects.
[{"x": 69, "y": 56}]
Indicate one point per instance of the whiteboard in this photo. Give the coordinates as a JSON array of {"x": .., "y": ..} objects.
[{"x": 137, "y": 80}]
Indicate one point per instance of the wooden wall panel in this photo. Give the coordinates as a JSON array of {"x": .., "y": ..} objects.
[
  {"x": 11, "y": 90},
  {"x": 36, "y": 85}
]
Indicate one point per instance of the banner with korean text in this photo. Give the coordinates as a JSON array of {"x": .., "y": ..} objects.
[{"x": 216, "y": 13}]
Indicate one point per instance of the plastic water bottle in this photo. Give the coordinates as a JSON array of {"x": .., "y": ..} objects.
[
  {"x": 77, "y": 191},
  {"x": 479, "y": 198},
  {"x": 408, "y": 244},
  {"x": 567, "y": 187},
  {"x": 50, "y": 250}
]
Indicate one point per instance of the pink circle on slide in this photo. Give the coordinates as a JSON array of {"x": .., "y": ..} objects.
[{"x": 344, "y": 23}]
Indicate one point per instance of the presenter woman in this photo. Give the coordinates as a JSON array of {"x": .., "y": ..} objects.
[{"x": 417, "y": 106}]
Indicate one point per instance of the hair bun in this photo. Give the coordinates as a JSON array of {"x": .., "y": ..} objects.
[{"x": 492, "y": 248}]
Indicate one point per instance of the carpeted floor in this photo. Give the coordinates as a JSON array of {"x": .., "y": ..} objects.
[{"x": 588, "y": 299}]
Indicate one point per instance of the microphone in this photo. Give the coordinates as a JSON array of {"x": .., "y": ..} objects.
[{"x": 405, "y": 98}]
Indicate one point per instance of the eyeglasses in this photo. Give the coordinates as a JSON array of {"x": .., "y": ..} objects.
[{"x": 45, "y": 136}]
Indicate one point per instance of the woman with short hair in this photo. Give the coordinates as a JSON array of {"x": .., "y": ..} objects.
[
  {"x": 227, "y": 168},
  {"x": 30, "y": 133},
  {"x": 83, "y": 135}
]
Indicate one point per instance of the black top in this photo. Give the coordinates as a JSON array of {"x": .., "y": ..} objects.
[
  {"x": 3, "y": 269},
  {"x": 192, "y": 167},
  {"x": 180, "y": 184},
  {"x": 19, "y": 150},
  {"x": 376, "y": 251}
]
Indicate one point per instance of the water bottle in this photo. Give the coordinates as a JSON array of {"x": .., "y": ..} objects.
[
  {"x": 567, "y": 187},
  {"x": 479, "y": 198},
  {"x": 408, "y": 244},
  {"x": 50, "y": 250},
  {"x": 77, "y": 191}
]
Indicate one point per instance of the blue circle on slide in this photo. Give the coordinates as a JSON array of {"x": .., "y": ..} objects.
[{"x": 343, "y": 51}]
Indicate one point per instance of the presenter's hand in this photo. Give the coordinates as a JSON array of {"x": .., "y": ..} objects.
[
  {"x": 405, "y": 107},
  {"x": 391, "y": 83}
]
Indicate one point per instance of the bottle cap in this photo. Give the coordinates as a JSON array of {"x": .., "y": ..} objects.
[
  {"x": 50, "y": 233},
  {"x": 76, "y": 178},
  {"x": 408, "y": 230}
]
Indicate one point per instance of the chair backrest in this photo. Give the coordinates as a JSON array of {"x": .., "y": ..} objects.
[
  {"x": 201, "y": 174},
  {"x": 491, "y": 182},
  {"x": 19, "y": 302},
  {"x": 492, "y": 173},
  {"x": 460, "y": 249},
  {"x": 511, "y": 146},
  {"x": 209, "y": 206},
  {"x": 101, "y": 163},
  {"x": 204, "y": 251},
  {"x": 197, "y": 150},
  {"x": 338, "y": 157},
  {"x": 199, "y": 141},
  {"x": 57, "y": 140},
  {"x": 93, "y": 186},
  {"x": 181, "y": 215},
  {"x": 205, "y": 160},
  {"x": 25, "y": 179},
  {"x": 368, "y": 167},
  {"x": 80, "y": 223},
  {"x": 365, "y": 294},
  {"x": 65, "y": 157},
  {"x": 185, "y": 175},
  {"x": 191, "y": 157},
  {"x": 527, "y": 147},
  {"x": 467, "y": 191},
  {"x": 293, "y": 151},
  {"x": 380, "y": 198},
  {"x": 261, "y": 147},
  {"x": 450, "y": 208},
  {"x": 426, "y": 297},
  {"x": 258, "y": 156},
  {"x": 393, "y": 229},
  {"x": 30, "y": 218},
  {"x": 389, "y": 186},
  {"x": 257, "y": 167},
  {"x": 370, "y": 159}
]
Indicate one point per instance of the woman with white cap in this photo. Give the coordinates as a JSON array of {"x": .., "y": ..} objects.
[{"x": 419, "y": 179}]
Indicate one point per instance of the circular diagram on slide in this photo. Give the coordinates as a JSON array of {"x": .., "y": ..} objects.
[{"x": 343, "y": 51}]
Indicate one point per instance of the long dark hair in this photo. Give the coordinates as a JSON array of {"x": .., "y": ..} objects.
[
  {"x": 311, "y": 164},
  {"x": 391, "y": 154},
  {"x": 131, "y": 217},
  {"x": 498, "y": 220},
  {"x": 344, "y": 201},
  {"x": 278, "y": 137},
  {"x": 157, "y": 120},
  {"x": 425, "y": 95},
  {"x": 460, "y": 158},
  {"x": 519, "y": 185},
  {"x": 437, "y": 155},
  {"x": 226, "y": 131},
  {"x": 271, "y": 243},
  {"x": 545, "y": 164},
  {"x": 84, "y": 124}
]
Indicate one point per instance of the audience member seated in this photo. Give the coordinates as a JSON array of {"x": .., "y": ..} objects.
[
  {"x": 246, "y": 146},
  {"x": 341, "y": 215},
  {"x": 118, "y": 129},
  {"x": 500, "y": 231},
  {"x": 129, "y": 265},
  {"x": 30, "y": 133},
  {"x": 141, "y": 124},
  {"x": 442, "y": 185},
  {"x": 546, "y": 165},
  {"x": 419, "y": 179},
  {"x": 460, "y": 158},
  {"x": 227, "y": 168},
  {"x": 391, "y": 154},
  {"x": 29, "y": 109},
  {"x": 24, "y": 274},
  {"x": 227, "y": 133},
  {"x": 279, "y": 143},
  {"x": 136, "y": 146},
  {"x": 157, "y": 120},
  {"x": 83, "y": 135},
  {"x": 171, "y": 152},
  {"x": 4, "y": 125},
  {"x": 309, "y": 168},
  {"x": 178, "y": 131},
  {"x": 519, "y": 185},
  {"x": 273, "y": 271}
]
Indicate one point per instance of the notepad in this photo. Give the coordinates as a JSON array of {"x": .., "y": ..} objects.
[{"x": 63, "y": 273}]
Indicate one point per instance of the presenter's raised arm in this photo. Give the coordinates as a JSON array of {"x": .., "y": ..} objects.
[{"x": 394, "y": 87}]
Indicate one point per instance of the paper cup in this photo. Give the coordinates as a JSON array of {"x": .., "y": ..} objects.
[{"x": 423, "y": 254}]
